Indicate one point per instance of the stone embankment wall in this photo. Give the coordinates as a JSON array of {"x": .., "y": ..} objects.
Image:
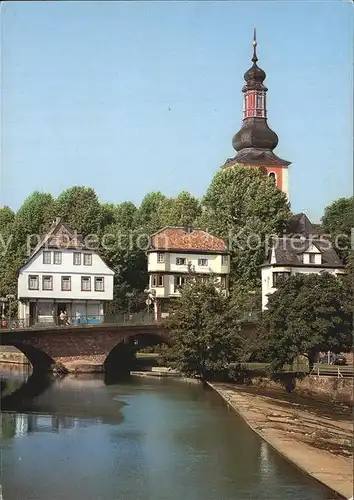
[
  {"x": 326, "y": 388},
  {"x": 13, "y": 356}
]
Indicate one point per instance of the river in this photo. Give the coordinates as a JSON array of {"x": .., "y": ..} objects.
[{"x": 144, "y": 439}]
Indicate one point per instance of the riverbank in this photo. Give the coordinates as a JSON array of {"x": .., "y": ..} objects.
[{"x": 315, "y": 436}]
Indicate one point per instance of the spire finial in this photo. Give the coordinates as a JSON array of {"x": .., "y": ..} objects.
[{"x": 254, "y": 43}]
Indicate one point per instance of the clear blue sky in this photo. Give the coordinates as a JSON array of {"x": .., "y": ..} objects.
[{"x": 129, "y": 97}]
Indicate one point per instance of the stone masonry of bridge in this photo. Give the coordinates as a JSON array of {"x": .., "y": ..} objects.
[{"x": 65, "y": 345}]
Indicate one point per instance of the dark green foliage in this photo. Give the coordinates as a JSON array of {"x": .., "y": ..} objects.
[
  {"x": 306, "y": 315},
  {"x": 338, "y": 221},
  {"x": 80, "y": 208},
  {"x": 243, "y": 206},
  {"x": 205, "y": 334}
]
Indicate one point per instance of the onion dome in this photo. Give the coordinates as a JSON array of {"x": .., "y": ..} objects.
[
  {"x": 255, "y": 76},
  {"x": 255, "y": 133}
]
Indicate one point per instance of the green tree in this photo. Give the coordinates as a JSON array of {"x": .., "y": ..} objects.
[
  {"x": 306, "y": 315},
  {"x": 184, "y": 210},
  {"x": 7, "y": 253},
  {"x": 123, "y": 251},
  {"x": 204, "y": 334},
  {"x": 148, "y": 216},
  {"x": 33, "y": 219},
  {"x": 80, "y": 208},
  {"x": 125, "y": 214},
  {"x": 7, "y": 217},
  {"x": 338, "y": 221},
  {"x": 243, "y": 206}
]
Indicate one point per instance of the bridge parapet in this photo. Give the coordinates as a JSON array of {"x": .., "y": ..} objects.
[{"x": 108, "y": 320}]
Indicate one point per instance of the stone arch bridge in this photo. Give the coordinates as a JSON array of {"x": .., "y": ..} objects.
[{"x": 94, "y": 344}]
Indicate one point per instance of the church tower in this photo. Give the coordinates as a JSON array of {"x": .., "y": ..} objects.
[{"x": 255, "y": 141}]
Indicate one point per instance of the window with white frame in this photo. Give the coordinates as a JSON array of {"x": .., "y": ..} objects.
[
  {"x": 47, "y": 257},
  {"x": 278, "y": 277},
  {"x": 99, "y": 284},
  {"x": 77, "y": 258},
  {"x": 33, "y": 282},
  {"x": 179, "y": 282},
  {"x": 57, "y": 257},
  {"x": 202, "y": 262},
  {"x": 180, "y": 261},
  {"x": 156, "y": 280},
  {"x": 224, "y": 260},
  {"x": 47, "y": 282},
  {"x": 312, "y": 258},
  {"x": 86, "y": 283},
  {"x": 66, "y": 283},
  {"x": 87, "y": 259},
  {"x": 160, "y": 257}
]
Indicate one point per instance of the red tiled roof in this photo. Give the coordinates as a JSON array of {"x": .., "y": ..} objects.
[{"x": 180, "y": 238}]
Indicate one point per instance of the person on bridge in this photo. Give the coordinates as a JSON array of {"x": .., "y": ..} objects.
[
  {"x": 66, "y": 318},
  {"x": 78, "y": 317},
  {"x": 61, "y": 318}
]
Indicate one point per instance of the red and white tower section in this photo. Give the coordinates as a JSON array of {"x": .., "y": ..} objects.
[{"x": 255, "y": 141}]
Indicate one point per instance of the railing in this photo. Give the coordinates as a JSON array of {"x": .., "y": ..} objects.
[
  {"x": 332, "y": 370},
  {"x": 78, "y": 321}
]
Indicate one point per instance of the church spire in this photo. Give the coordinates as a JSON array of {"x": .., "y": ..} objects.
[
  {"x": 255, "y": 133},
  {"x": 255, "y": 141},
  {"x": 254, "y": 43}
]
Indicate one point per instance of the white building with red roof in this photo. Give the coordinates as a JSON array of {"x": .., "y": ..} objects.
[{"x": 174, "y": 253}]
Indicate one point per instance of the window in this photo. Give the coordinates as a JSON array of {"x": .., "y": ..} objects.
[
  {"x": 99, "y": 284},
  {"x": 47, "y": 283},
  {"x": 156, "y": 280},
  {"x": 180, "y": 261},
  {"x": 57, "y": 258},
  {"x": 224, "y": 260},
  {"x": 86, "y": 283},
  {"x": 272, "y": 176},
  {"x": 33, "y": 282},
  {"x": 66, "y": 283},
  {"x": 47, "y": 257},
  {"x": 312, "y": 258},
  {"x": 77, "y": 258},
  {"x": 202, "y": 262},
  {"x": 87, "y": 259},
  {"x": 179, "y": 281},
  {"x": 160, "y": 257},
  {"x": 278, "y": 277}
]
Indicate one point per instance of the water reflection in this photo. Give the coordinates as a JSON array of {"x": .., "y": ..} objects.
[
  {"x": 14, "y": 425},
  {"x": 142, "y": 440}
]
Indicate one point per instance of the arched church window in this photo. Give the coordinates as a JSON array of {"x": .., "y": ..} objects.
[{"x": 272, "y": 176}]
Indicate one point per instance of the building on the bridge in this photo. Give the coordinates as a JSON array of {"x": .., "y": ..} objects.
[
  {"x": 255, "y": 141},
  {"x": 176, "y": 251},
  {"x": 302, "y": 251},
  {"x": 63, "y": 274}
]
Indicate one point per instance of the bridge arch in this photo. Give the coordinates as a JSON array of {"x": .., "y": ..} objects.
[
  {"x": 119, "y": 359},
  {"x": 40, "y": 361}
]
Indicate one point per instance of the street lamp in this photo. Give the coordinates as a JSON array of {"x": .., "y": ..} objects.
[{"x": 150, "y": 299}]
